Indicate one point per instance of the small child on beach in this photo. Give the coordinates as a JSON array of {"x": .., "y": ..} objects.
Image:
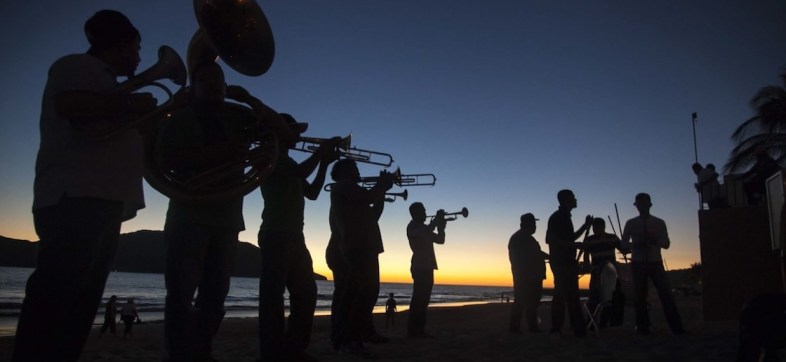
[{"x": 390, "y": 312}]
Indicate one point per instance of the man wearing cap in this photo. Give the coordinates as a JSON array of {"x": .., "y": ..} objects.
[
  {"x": 84, "y": 189},
  {"x": 562, "y": 250},
  {"x": 528, "y": 264},
  {"x": 421, "y": 240},
  {"x": 644, "y": 236},
  {"x": 286, "y": 262}
]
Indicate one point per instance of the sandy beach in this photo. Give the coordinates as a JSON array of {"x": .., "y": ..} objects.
[{"x": 466, "y": 333}]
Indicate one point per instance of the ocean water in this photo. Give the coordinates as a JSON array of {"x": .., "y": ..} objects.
[{"x": 148, "y": 292}]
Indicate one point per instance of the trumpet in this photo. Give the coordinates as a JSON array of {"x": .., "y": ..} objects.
[
  {"x": 310, "y": 144},
  {"x": 464, "y": 212},
  {"x": 394, "y": 195},
  {"x": 417, "y": 179}
]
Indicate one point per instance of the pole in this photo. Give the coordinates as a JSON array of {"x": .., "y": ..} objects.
[
  {"x": 624, "y": 256},
  {"x": 695, "y": 147},
  {"x": 694, "y": 116}
]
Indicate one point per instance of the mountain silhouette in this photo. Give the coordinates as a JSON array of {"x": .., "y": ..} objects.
[{"x": 141, "y": 251}]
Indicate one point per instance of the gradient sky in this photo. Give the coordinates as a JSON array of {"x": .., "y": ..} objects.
[{"x": 506, "y": 101}]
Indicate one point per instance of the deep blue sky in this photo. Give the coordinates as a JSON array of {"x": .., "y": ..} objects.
[{"x": 505, "y": 101}]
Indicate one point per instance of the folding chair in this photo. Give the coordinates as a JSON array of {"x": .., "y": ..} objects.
[{"x": 608, "y": 282}]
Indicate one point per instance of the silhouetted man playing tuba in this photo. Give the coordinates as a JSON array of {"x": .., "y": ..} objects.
[{"x": 202, "y": 235}]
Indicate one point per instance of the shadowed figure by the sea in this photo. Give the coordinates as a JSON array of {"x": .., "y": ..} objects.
[
  {"x": 528, "y": 265},
  {"x": 88, "y": 180},
  {"x": 561, "y": 238},
  {"x": 421, "y": 240},
  {"x": 354, "y": 249},
  {"x": 286, "y": 261}
]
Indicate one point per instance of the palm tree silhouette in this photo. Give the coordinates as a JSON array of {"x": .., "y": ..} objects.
[{"x": 766, "y": 131}]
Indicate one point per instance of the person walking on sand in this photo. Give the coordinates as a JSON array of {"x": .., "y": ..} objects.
[
  {"x": 528, "y": 265},
  {"x": 110, "y": 316},
  {"x": 644, "y": 236},
  {"x": 129, "y": 315}
]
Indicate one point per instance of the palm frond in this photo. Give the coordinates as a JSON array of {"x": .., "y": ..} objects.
[{"x": 744, "y": 154}]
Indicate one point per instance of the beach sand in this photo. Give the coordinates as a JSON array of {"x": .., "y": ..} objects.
[{"x": 467, "y": 333}]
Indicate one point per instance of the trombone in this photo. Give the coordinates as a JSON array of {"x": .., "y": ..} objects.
[
  {"x": 417, "y": 179},
  {"x": 464, "y": 212},
  {"x": 310, "y": 144}
]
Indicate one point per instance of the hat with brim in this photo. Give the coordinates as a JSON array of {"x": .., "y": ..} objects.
[{"x": 298, "y": 127}]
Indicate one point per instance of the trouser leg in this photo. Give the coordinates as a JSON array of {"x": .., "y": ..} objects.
[
  {"x": 517, "y": 309},
  {"x": 302, "y": 299},
  {"x": 272, "y": 283},
  {"x": 532, "y": 295},
  {"x": 639, "y": 271},
  {"x": 337, "y": 320},
  {"x": 185, "y": 256},
  {"x": 421, "y": 294},
  {"x": 558, "y": 299},
  {"x": 75, "y": 253},
  {"x": 213, "y": 288},
  {"x": 662, "y": 285}
]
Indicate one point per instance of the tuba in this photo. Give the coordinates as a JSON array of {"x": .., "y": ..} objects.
[{"x": 239, "y": 34}]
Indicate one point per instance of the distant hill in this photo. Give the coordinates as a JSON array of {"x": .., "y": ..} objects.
[{"x": 141, "y": 251}]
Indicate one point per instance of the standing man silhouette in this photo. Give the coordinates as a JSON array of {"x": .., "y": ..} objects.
[
  {"x": 644, "y": 236},
  {"x": 286, "y": 262},
  {"x": 421, "y": 240},
  {"x": 561, "y": 238},
  {"x": 528, "y": 265},
  {"x": 84, "y": 188},
  {"x": 202, "y": 235},
  {"x": 355, "y": 213}
]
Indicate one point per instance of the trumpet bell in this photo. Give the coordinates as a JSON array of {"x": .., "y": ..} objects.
[
  {"x": 239, "y": 33},
  {"x": 464, "y": 212}
]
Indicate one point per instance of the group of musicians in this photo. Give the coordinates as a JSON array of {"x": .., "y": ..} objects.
[
  {"x": 86, "y": 187},
  {"x": 643, "y": 237}
]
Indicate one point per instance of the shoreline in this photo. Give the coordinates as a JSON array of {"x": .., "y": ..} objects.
[
  {"x": 8, "y": 323},
  {"x": 475, "y": 332}
]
